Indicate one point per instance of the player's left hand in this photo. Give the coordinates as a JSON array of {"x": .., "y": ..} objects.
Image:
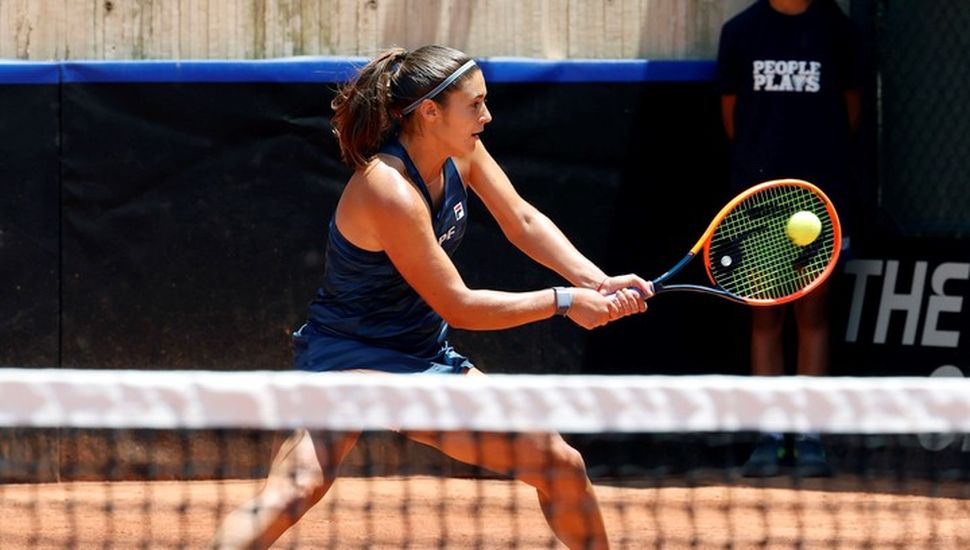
[{"x": 630, "y": 293}]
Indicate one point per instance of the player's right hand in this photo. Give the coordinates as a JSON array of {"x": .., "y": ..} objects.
[{"x": 591, "y": 309}]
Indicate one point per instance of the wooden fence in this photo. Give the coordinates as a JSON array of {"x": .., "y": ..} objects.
[{"x": 256, "y": 29}]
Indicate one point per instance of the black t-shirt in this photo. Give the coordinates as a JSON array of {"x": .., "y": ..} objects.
[{"x": 789, "y": 73}]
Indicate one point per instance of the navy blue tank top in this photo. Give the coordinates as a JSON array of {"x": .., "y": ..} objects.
[{"x": 363, "y": 297}]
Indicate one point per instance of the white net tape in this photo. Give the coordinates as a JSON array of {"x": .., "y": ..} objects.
[{"x": 511, "y": 403}]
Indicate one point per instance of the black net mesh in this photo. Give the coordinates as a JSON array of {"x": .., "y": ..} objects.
[{"x": 925, "y": 114}]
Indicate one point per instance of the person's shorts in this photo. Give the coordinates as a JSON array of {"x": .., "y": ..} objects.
[{"x": 318, "y": 352}]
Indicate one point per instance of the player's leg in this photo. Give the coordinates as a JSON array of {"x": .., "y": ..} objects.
[
  {"x": 302, "y": 471},
  {"x": 767, "y": 359},
  {"x": 812, "y": 319},
  {"x": 544, "y": 461},
  {"x": 767, "y": 352}
]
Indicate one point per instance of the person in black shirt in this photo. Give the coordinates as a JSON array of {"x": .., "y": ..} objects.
[{"x": 790, "y": 103}]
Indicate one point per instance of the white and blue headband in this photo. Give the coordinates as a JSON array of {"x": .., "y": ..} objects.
[{"x": 440, "y": 87}]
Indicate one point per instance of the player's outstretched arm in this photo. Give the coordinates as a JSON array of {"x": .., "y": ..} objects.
[{"x": 536, "y": 235}]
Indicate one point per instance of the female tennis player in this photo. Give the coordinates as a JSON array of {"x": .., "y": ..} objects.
[{"x": 409, "y": 124}]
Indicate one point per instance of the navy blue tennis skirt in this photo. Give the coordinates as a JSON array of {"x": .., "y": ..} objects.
[{"x": 317, "y": 351}]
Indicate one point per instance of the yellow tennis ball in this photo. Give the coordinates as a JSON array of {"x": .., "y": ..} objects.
[{"x": 803, "y": 228}]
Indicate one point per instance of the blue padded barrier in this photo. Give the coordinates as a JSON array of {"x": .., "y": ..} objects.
[
  {"x": 28, "y": 72},
  {"x": 319, "y": 69}
]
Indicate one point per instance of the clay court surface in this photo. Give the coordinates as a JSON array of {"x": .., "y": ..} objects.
[{"x": 417, "y": 512}]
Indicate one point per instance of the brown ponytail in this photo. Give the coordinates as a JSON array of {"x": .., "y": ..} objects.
[{"x": 367, "y": 108}]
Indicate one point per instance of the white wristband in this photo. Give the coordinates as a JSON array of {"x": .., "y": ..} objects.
[{"x": 564, "y": 299}]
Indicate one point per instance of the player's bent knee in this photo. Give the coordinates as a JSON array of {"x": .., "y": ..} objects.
[
  {"x": 569, "y": 459},
  {"x": 564, "y": 473}
]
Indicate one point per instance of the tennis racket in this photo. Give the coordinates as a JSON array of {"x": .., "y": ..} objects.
[{"x": 748, "y": 254}]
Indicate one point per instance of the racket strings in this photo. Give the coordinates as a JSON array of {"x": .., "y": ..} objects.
[
  {"x": 779, "y": 273},
  {"x": 751, "y": 255},
  {"x": 773, "y": 271}
]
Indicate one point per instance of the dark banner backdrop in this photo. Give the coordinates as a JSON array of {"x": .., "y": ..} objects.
[
  {"x": 192, "y": 200},
  {"x": 29, "y": 215},
  {"x": 194, "y": 221}
]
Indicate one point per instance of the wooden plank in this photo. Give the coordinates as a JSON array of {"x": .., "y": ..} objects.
[
  {"x": 32, "y": 30},
  {"x": 702, "y": 30},
  {"x": 369, "y": 16},
  {"x": 45, "y": 24},
  {"x": 712, "y": 15},
  {"x": 420, "y": 24},
  {"x": 255, "y": 36},
  {"x": 530, "y": 28},
  {"x": 501, "y": 28},
  {"x": 283, "y": 20},
  {"x": 7, "y": 25},
  {"x": 78, "y": 36},
  {"x": 415, "y": 23},
  {"x": 476, "y": 28},
  {"x": 193, "y": 29},
  {"x": 631, "y": 21},
  {"x": 25, "y": 35},
  {"x": 661, "y": 29},
  {"x": 488, "y": 27},
  {"x": 151, "y": 40},
  {"x": 166, "y": 15},
  {"x": 98, "y": 37},
  {"x": 116, "y": 21},
  {"x": 586, "y": 26},
  {"x": 613, "y": 32},
  {"x": 344, "y": 34},
  {"x": 310, "y": 43},
  {"x": 392, "y": 21},
  {"x": 12, "y": 16},
  {"x": 457, "y": 23},
  {"x": 223, "y": 29},
  {"x": 554, "y": 30}
]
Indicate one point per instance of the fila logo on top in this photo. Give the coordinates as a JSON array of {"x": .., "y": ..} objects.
[{"x": 459, "y": 214}]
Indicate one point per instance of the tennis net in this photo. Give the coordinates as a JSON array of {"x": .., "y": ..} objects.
[{"x": 160, "y": 459}]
